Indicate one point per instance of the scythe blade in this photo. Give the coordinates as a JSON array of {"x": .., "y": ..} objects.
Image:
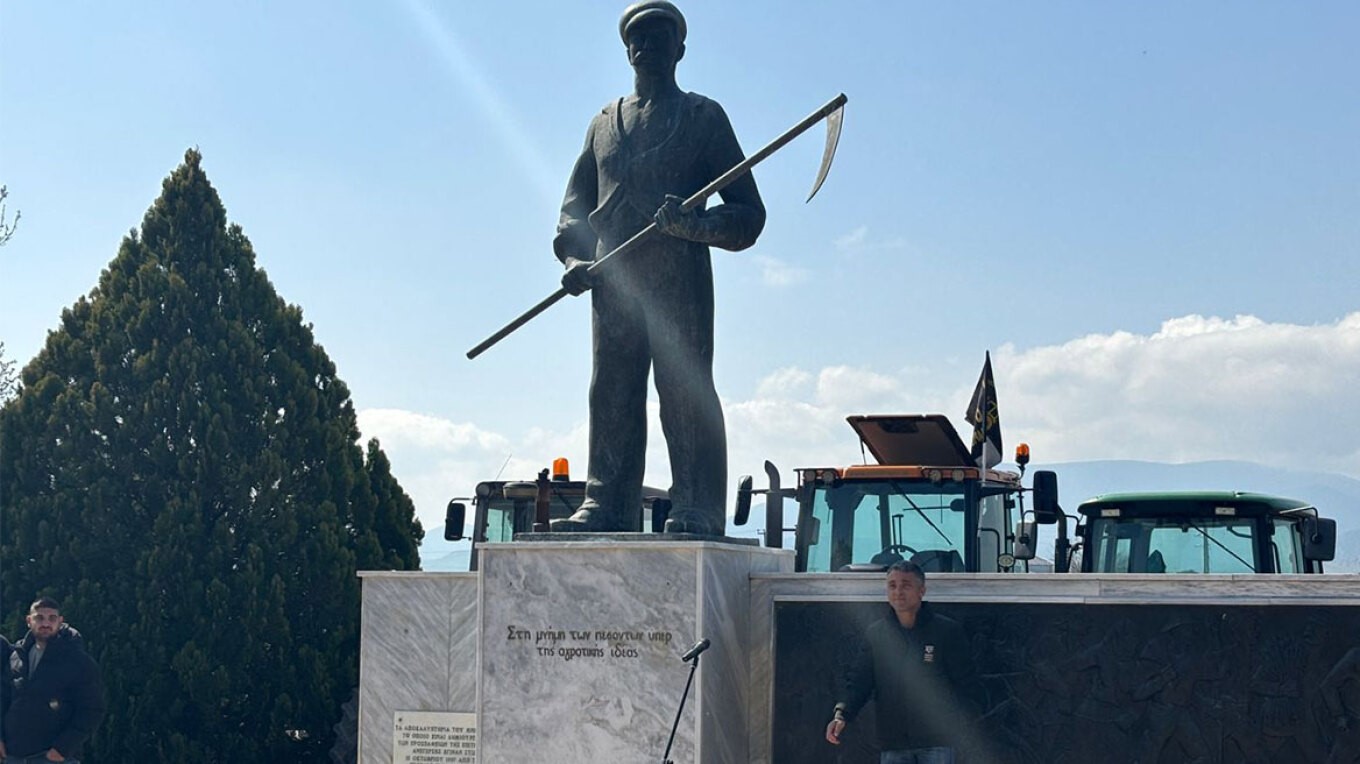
[{"x": 833, "y": 138}]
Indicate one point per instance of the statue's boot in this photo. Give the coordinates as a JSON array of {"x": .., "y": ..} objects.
[
  {"x": 697, "y": 522},
  {"x": 590, "y": 518}
]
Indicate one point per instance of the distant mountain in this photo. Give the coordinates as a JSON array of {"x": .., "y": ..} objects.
[
  {"x": 1335, "y": 496},
  {"x": 438, "y": 555}
]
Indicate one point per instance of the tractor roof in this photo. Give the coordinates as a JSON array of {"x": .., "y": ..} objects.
[{"x": 1190, "y": 503}]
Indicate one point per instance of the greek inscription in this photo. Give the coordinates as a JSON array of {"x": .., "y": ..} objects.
[
  {"x": 592, "y": 644},
  {"x": 435, "y": 737}
]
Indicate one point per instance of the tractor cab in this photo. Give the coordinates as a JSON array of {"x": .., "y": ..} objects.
[
  {"x": 924, "y": 500},
  {"x": 1203, "y": 532},
  {"x": 503, "y": 509}
]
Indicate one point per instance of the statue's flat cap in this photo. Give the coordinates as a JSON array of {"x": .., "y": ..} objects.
[{"x": 649, "y": 9}]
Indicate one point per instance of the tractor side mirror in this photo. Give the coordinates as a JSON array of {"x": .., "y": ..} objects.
[
  {"x": 454, "y": 516},
  {"x": 1046, "y": 509},
  {"x": 1319, "y": 539},
  {"x": 743, "y": 511}
]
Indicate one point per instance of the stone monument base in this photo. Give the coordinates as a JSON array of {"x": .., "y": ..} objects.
[
  {"x": 580, "y": 643},
  {"x": 632, "y": 537}
]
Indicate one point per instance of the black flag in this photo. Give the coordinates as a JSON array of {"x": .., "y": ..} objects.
[{"x": 986, "y": 422}]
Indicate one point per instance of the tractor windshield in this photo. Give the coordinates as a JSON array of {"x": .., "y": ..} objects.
[
  {"x": 1174, "y": 545},
  {"x": 882, "y": 521}
]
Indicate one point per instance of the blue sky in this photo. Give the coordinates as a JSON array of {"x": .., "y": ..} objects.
[{"x": 1149, "y": 213}]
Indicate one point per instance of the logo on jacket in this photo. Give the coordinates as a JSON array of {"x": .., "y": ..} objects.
[
  {"x": 16, "y": 670},
  {"x": 930, "y": 654}
]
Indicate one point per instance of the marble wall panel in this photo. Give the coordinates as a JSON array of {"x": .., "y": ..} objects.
[
  {"x": 581, "y": 647},
  {"x": 1073, "y": 587},
  {"x": 580, "y": 651},
  {"x": 1228, "y": 589},
  {"x": 403, "y": 656},
  {"x": 462, "y": 644},
  {"x": 724, "y": 578}
]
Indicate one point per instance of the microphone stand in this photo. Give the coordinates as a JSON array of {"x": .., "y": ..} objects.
[{"x": 693, "y": 665}]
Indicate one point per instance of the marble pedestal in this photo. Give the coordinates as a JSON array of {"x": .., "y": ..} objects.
[
  {"x": 418, "y": 651},
  {"x": 580, "y": 646}
]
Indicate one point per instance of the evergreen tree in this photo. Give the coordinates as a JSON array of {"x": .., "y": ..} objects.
[
  {"x": 396, "y": 528},
  {"x": 181, "y": 469},
  {"x": 9, "y": 378}
]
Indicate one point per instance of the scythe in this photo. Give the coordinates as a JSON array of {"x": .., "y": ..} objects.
[{"x": 833, "y": 112}]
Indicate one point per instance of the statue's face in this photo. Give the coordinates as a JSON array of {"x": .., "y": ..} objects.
[{"x": 654, "y": 45}]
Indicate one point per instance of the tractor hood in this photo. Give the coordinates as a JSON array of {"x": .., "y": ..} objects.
[{"x": 912, "y": 439}]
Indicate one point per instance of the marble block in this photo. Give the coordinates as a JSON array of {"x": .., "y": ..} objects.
[
  {"x": 417, "y": 651},
  {"x": 580, "y": 646}
]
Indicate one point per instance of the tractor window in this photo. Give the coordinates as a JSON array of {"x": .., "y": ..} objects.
[
  {"x": 883, "y": 521},
  {"x": 1286, "y": 547},
  {"x": 506, "y": 517},
  {"x": 1174, "y": 545},
  {"x": 1112, "y": 545},
  {"x": 1204, "y": 546},
  {"x": 992, "y": 532},
  {"x": 500, "y": 521}
]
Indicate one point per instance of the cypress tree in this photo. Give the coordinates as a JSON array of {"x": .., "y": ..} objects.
[
  {"x": 181, "y": 469},
  {"x": 396, "y": 529}
]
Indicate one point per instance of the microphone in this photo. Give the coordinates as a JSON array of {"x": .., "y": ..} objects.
[{"x": 693, "y": 652}]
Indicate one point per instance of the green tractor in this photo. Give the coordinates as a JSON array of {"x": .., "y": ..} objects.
[{"x": 1224, "y": 532}]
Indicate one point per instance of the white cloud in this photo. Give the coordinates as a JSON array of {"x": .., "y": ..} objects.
[
  {"x": 397, "y": 427},
  {"x": 854, "y": 239},
  {"x": 859, "y": 240},
  {"x": 785, "y": 383},
  {"x": 1200, "y": 388},
  {"x": 856, "y": 390},
  {"x": 777, "y": 273}
]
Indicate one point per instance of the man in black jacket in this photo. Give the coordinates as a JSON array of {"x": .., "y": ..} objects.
[
  {"x": 918, "y": 667},
  {"x": 54, "y": 697}
]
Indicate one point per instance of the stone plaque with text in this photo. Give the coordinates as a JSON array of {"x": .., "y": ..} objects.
[{"x": 434, "y": 737}]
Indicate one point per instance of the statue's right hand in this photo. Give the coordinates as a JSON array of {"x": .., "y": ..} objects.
[{"x": 578, "y": 278}]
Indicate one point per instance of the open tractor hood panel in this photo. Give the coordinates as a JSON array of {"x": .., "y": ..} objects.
[{"x": 912, "y": 439}]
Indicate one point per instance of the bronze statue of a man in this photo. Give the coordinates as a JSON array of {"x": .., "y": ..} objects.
[{"x": 653, "y": 309}]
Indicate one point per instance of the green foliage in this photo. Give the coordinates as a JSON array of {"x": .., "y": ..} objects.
[
  {"x": 181, "y": 470},
  {"x": 395, "y": 526},
  {"x": 6, "y": 229},
  {"x": 9, "y": 378}
]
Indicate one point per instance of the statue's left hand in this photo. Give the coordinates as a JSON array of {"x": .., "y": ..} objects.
[
  {"x": 577, "y": 278},
  {"x": 673, "y": 220}
]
